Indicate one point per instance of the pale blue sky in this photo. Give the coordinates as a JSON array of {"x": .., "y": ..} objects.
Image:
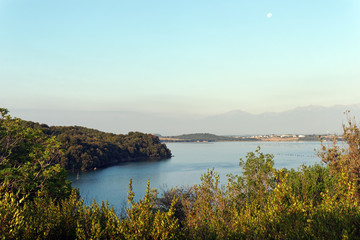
[{"x": 189, "y": 56}]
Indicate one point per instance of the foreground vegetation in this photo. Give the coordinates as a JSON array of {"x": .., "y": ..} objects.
[{"x": 313, "y": 202}]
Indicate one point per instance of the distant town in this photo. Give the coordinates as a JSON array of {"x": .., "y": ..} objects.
[{"x": 207, "y": 137}]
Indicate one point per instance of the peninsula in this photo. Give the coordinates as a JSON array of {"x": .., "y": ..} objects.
[{"x": 207, "y": 137}]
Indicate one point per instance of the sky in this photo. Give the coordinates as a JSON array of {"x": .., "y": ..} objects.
[{"x": 169, "y": 56}]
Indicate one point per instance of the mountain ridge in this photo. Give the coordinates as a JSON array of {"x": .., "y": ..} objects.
[{"x": 312, "y": 119}]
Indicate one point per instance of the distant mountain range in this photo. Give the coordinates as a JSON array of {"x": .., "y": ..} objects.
[{"x": 302, "y": 120}]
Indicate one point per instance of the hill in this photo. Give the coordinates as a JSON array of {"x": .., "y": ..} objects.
[
  {"x": 87, "y": 149},
  {"x": 203, "y": 137},
  {"x": 302, "y": 120}
]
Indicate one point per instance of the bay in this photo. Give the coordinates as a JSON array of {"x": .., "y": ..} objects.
[{"x": 189, "y": 161}]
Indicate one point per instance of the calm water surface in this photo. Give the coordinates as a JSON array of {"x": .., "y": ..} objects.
[{"x": 185, "y": 168}]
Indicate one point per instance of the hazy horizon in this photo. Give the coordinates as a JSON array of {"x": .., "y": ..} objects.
[
  {"x": 178, "y": 58},
  {"x": 302, "y": 120}
]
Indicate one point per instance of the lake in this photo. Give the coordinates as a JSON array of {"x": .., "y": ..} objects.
[{"x": 185, "y": 168}]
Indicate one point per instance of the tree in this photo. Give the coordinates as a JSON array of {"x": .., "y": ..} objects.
[
  {"x": 257, "y": 179},
  {"x": 345, "y": 158},
  {"x": 27, "y": 161}
]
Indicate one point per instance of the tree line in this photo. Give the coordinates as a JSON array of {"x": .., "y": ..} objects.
[
  {"x": 87, "y": 149},
  {"x": 312, "y": 202},
  {"x": 194, "y": 137}
]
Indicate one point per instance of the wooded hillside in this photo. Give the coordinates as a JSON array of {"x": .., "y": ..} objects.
[{"x": 86, "y": 149}]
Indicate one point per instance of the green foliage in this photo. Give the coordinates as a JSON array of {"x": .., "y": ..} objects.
[
  {"x": 97, "y": 222},
  {"x": 309, "y": 182},
  {"x": 313, "y": 202},
  {"x": 143, "y": 222},
  {"x": 338, "y": 215},
  {"x": 41, "y": 218},
  {"x": 346, "y": 158},
  {"x": 183, "y": 197},
  {"x": 87, "y": 149},
  {"x": 257, "y": 179},
  {"x": 208, "y": 213},
  {"x": 204, "y": 137},
  {"x": 28, "y": 161},
  {"x": 11, "y": 217}
]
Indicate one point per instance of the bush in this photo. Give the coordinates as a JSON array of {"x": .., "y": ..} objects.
[{"x": 313, "y": 202}]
